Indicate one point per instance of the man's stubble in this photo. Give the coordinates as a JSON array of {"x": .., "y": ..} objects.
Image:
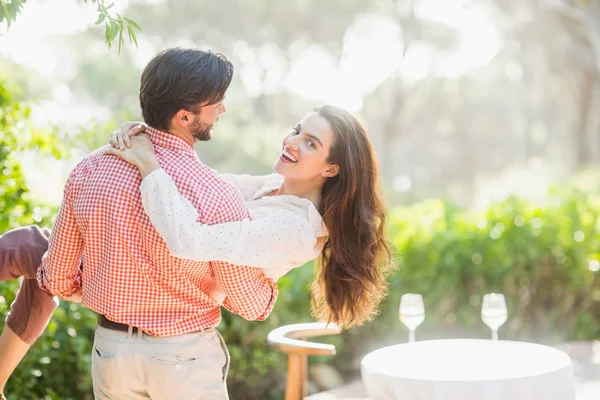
[{"x": 201, "y": 131}]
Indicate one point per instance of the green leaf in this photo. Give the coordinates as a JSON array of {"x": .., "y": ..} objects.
[
  {"x": 113, "y": 30},
  {"x": 100, "y": 19},
  {"x": 4, "y": 14},
  {"x": 121, "y": 42},
  {"x": 132, "y": 38},
  {"x": 134, "y": 24},
  {"x": 10, "y": 10}
]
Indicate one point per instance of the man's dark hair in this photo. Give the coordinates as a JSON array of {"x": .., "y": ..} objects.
[{"x": 179, "y": 79}]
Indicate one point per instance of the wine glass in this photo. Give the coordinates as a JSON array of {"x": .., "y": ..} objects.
[
  {"x": 493, "y": 312},
  {"x": 412, "y": 312}
]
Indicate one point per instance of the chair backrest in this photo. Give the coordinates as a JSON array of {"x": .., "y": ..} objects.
[{"x": 291, "y": 339}]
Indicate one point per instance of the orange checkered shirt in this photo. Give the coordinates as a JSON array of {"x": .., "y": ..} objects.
[{"x": 128, "y": 274}]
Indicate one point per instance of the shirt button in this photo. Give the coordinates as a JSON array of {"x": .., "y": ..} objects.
[{"x": 178, "y": 366}]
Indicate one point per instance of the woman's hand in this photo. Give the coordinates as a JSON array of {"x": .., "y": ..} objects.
[
  {"x": 140, "y": 153},
  {"x": 121, "y": 138}
]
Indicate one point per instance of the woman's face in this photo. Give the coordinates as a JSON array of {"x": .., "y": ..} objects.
[{"x": 305, "y": 150}]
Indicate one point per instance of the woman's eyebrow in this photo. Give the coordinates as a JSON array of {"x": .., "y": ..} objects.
[{"x": 310, "y": 135}]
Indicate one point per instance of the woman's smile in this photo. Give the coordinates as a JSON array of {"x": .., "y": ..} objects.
[{"x": 287, "y": 156}]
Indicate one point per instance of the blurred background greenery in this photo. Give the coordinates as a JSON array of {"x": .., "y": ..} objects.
[{"x": 485, "y": 115}]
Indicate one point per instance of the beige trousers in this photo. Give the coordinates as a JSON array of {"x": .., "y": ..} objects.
[{"x": 136, "y": 366}]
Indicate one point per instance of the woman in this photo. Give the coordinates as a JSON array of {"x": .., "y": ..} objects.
[{"x": 324, "y": 201}]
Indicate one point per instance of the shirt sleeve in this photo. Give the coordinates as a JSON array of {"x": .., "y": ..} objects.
[
  {"x": 60, "y": 273},
  {"x": 248, "y": 292},
  {"x": 282, "y": 239},
  {"x": 248, "y": 185}
]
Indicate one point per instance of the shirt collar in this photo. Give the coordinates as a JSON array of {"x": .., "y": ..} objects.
[{"x": 168, "y": 140}]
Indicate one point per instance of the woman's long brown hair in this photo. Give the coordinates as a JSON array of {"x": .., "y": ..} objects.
[{"x": 351, "y": 274}]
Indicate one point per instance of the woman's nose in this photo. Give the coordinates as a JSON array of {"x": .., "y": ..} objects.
[{"x": 291, "y": 142}]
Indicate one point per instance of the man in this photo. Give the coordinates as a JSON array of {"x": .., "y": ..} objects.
[{"x": 155, "y": 336}]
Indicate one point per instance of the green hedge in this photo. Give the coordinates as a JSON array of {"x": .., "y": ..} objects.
[{"x": 539, "y": 256}]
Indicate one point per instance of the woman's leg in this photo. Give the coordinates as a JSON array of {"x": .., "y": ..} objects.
[
  {"x": 21, "y": 252},
  {"x": 12, "y": 351}
]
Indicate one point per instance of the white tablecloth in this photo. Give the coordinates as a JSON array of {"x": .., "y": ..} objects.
[{"x": 468, "y": 369}]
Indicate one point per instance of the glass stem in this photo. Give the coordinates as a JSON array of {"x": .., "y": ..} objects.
[
  {"x": 411, "y": 335},
  {"x": 494, "y": 334}
]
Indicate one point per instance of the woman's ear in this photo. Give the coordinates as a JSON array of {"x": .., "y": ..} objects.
[{"x": 331, "y": 171}]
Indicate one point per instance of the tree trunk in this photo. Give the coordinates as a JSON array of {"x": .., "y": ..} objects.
[{"x": 583, "y": 150}]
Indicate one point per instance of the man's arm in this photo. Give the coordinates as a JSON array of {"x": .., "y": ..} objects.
[
  {"x": 60, "y": 273},
  {"x": 249, "y": 293}
]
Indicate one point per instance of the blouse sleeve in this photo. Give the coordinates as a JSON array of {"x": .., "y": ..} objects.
[
  {"x": 278, "y": 239},
  {"x": 248, "y": 185}
]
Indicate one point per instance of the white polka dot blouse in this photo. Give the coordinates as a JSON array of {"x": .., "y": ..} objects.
[{"x": 283, "y": 233}]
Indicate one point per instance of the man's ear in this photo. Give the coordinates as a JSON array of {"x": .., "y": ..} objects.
[
  {"x": 331, "y": 171},
  {"x": 182, "y": 117}
]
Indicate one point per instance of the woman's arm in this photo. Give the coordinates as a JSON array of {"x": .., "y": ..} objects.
[
  {"x": 283, "y": 238},
  {"x": 248, "y": 185},
  {"x": 143, "y": 158}
]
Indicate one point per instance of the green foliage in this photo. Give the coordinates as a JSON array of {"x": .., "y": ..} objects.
[
  {"x": 32, "y": 86},
  {"x": 114, "y": 84},
  {"x": 58, "y": 365},
  {"x": 9, "y": 10},
  {"x": 542, "y": 257},
  {"x": 95, "y": 134},
  {"x": 115, "y": 25},
  {"x": 18, "y": 135}
]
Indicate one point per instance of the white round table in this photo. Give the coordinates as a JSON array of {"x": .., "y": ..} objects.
[{"x": 468, "y": 369}]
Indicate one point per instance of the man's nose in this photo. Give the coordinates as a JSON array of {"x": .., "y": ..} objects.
[{"x": 222, "y": 108}]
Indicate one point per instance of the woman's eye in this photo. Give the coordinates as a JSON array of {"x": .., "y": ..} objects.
[
  {"x": 311, "y": 144},
  {"x": 295, "y": 132}
]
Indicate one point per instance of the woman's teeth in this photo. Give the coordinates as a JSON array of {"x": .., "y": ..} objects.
[{"x": 288, "y": 156}]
